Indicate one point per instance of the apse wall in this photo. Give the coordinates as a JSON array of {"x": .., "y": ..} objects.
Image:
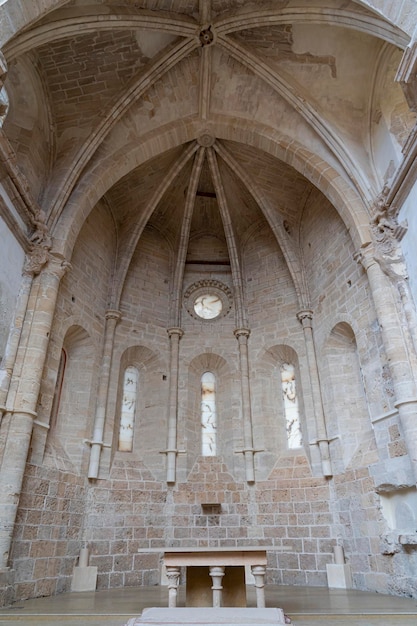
[{"x": 129, "y": 514}]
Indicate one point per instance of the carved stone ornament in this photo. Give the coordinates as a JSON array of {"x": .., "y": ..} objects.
[
  {"x": 387, "y": 234},
  {"x": 206, "y": 36},
  {"x": 208, "y": 300},
  {"x": 40, "y": 233},
  {"x": 206, "y": 140},
  {"x": 36, "y": 260}
]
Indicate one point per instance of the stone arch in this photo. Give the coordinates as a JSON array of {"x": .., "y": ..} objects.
[{"x": 318, "y": 171}]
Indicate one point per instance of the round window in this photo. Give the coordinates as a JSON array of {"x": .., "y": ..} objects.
[
  {"x": 208, "y": 306},
  {"x": 208, "y": 299}
]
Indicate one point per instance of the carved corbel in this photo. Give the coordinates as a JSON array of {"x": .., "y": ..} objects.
[{"x": 387, "y": 234}]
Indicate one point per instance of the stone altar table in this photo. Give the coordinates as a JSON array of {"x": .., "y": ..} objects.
[{"x": 224, "y": 568}]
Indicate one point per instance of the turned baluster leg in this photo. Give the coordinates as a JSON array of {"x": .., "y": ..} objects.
[
  {"x": 258, "y": 572},
  {"x": 217, "y": 573}
]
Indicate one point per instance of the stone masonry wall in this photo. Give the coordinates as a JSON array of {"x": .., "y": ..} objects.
[{"x": 48, "y": 532}]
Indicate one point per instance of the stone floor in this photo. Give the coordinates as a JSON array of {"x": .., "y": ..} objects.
[{"x": 306, "y": 606}]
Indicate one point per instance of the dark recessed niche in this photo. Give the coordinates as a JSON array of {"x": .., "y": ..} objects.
[{"x": 211, "y": 508}]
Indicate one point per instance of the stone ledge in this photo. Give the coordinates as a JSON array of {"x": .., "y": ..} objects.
[{"x": 208, "y": 616}]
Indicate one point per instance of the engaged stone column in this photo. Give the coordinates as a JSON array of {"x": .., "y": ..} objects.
[
  {"x": 306, "y": 317},
  {"x": 242, "y": 335},
  {"x": 396, "y": 349},
  {"x": 112, "y": 317},
  {"x": 25, "y": 396},
  {"x": 175, "y": 335},
  {"x": 217, "y": 573}
]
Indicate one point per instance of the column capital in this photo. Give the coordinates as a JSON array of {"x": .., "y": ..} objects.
[
  {"x": 175, "y": 332},
  {"x": 305, "y": 316},
  {"x": 241, "y": 332},
  {"x": 113, "y": 314},
  {"x": 57, "y": 265},
  {"x": 365, "y": 256},
  {"x": 35, "y": 261}
]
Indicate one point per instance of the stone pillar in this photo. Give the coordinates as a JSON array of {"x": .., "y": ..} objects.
[
  {"x": 306, "y": 317},
  {"x": 242, "y": 335},
  {"x": 217, "y": 573},
  {"x": 396, "y": 349},
  {"x": 175, "y": 335},
  {"x": 111, "y": 319},
  {"x": 259, "y": 572},
  {"x": 173, "y": 577},
  {"x": 26, "y": 391}
]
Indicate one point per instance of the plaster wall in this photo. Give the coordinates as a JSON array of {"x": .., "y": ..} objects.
[
  {"x": 11, "y": 264},
  {"x": 408, "y": 244}
]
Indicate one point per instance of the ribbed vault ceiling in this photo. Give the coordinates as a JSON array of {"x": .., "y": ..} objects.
[{"x": 99, "y": 79}]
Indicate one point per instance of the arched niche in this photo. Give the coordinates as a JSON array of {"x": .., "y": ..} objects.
[
  {"x": 72, "y": 406},
  {"x": 226, "y": 389},
  {"x": 343, "y": 392},
  {"x": 271, "y": 399},
  {"x": 149, "y": 420}
]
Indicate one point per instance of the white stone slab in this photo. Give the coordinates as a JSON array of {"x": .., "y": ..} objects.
[
  {"x": 84, "y": 578},
  {"x": 208, "y": 616},
  {"x": 339, "y": 576}
]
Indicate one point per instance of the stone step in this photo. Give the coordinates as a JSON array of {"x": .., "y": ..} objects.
[{"x": 208, "y": 616}]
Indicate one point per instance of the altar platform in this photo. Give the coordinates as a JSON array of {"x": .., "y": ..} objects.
[{"x": 306, "y": 606}]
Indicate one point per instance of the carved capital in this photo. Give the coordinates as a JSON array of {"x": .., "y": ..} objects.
[
  {"x": 365, "y": 256},
  {"x": 175, "y": 332},
  {"x": 242, "y": 333},
  {"x": 387, "y": 234},
  {"x": 112, "y": 314},
  {"x": 305, "y": 317},
  {"x": 57, "y": 265},
  {"x": 35, "y": 261}
]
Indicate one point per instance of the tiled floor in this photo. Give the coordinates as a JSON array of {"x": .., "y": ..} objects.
[{"x": 306, "y": 606}]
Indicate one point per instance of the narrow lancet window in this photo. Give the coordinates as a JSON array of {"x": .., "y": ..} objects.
[
  {"x": 128, "y": 409},
  {"x": 208, "y": 415},
  {"x": 291, "y": 409},
  {"x": 58, "y": 390}
]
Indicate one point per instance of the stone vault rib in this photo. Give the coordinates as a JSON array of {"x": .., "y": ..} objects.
[
  {"x": 291, "y": 259},
  {"x": 129, "y": 248},
  {"x": 83, "y": 24},
  {"x": 375, "y": 26}
]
